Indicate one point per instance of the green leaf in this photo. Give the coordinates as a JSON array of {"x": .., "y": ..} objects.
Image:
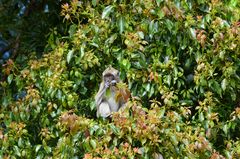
[
  {"x": 93, "y": 143},
  {"x": 20, "y": 142},
  {"x": 160, "y": 14},
  {"x": 151, "y": 27},
  {"x": 141, "y": 34},
  {"x": 111, "y": 39},
  {"x": 59, "y": 94},
  {"x": 201, "y": 116},
  {"x": 17, "y": 151},
  {"x": 86, "y": 146},
  {"x": 47, "y": 149},
  {"x": 38, "y": 148},
  {"x": 106, "y": 11},
  {"x": 169, "y": 24},
  {"x": 158, "y": 2},
  {"x": 72, "y": 30},
  {"x": 108, "y": 92},
  {"x": 233, "y": 3},
  {"x": 143, "y": 141},
  {"x": 224, "y": 84},
  {"x": 151, "y": 91},
  {"x": 162, "y": 112},
  {"x": 115, "y": 141},
  {"x": 92, "y": 105},
  {"x": 114, "y": 129},
  {"x": 69, "y": 56},
  {"x": 82, "y": 51},
  {"x": 225, "y": 129},
  {"x": 174, "y": 140},
  {"x": 121, "y": 24},
  {"x": 126, "y": 63},
  {"x": 129, "y": 137},
  {"x": 228, "y": 154},
  {"x": 178, "y": 127},
  {"x": 215, "y": 86},
  {"x": 148, "y": 86},
  {"x": 169, "y": 79},
  {"x": 10, "y": 78},
  {"x": 233, "y": 95},
  {"x": 94, "y": 3},
  {"x": 193, "y": 33}
]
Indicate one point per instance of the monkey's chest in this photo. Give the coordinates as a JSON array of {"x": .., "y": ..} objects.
[{"x": 114, "y": 105}]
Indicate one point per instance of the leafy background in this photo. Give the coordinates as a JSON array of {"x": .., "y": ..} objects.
[{"x": 180, "y": 60}]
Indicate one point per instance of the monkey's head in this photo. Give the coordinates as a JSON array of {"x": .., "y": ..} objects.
[{"x": 111, "y": 76}]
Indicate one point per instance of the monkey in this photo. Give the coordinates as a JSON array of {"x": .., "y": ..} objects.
[{"x": 106, "y": 97}]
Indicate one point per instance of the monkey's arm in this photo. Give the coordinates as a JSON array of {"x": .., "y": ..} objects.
[{"x": 100, "y": 94}]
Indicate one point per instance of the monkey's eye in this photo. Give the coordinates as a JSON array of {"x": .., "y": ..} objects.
[{"x": 118, "y": 73}]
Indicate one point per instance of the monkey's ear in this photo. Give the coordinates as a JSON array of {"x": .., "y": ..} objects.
[
  {"x": 109, "y": 67},
  {"x": 106, "y": 70}
]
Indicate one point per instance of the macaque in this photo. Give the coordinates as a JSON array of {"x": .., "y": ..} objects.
[
  {"x": 106, "y": 98},
  {"x": 112, "y": 96}
]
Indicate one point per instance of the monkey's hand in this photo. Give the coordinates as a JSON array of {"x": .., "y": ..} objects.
[{"x": 107, "y": 84}]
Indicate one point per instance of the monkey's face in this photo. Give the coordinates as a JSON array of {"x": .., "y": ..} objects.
[
  {"x": 111, "y": 76},
  {"x": 110, "y": 79}
]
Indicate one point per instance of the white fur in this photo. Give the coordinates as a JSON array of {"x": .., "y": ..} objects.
[{"x": 104, "y": 110}]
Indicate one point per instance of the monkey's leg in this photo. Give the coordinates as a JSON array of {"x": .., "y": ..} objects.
[{"x": 104, "y": 110}]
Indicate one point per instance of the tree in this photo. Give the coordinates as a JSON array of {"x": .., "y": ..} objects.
[{"x": 181, "y": 58}]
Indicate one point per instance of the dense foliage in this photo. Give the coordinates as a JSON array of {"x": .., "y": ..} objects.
[{"x": 180, "y": 59}]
